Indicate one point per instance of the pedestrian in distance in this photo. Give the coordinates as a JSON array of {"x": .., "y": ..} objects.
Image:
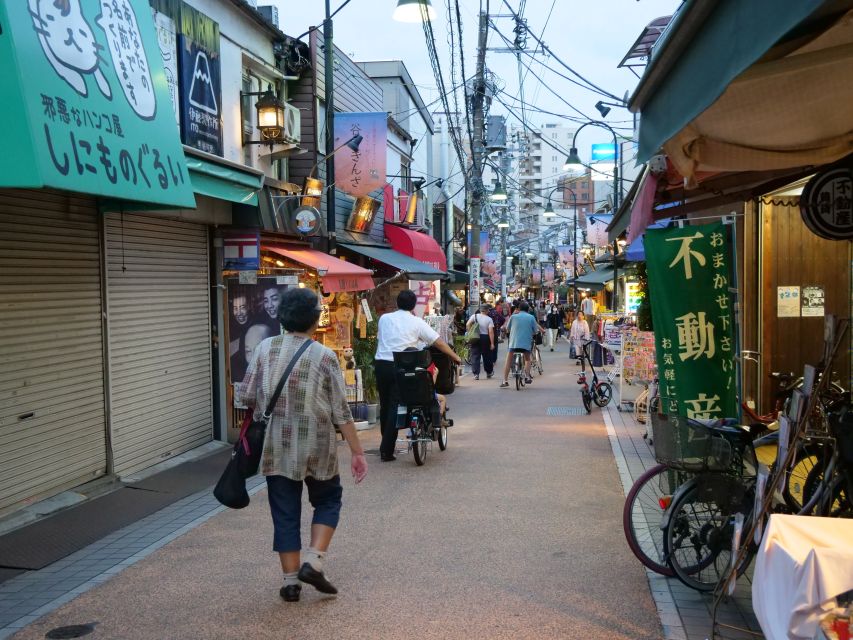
[
  {"x": 499, "y": 318},
  {"x": 486, "y": 345},
  {"x": 553, "y": 322},
  {"x": 398, "y": 331},
  {"x": 301, "y": 442},
  {"x": 522, "y": 326},
  {"x": 578, "y": 334}
]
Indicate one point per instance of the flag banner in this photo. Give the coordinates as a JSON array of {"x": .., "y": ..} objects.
[
  {"x": 485, "y": 244},
  {"x": 689, "y": 276},
  {"x": 362, "y": 171},
  {"x": 565, "y": 254},
  {"x": 536, "y": 276},
  {"x": 548, "y": 274},
  {"x": 490, "y": 269}
]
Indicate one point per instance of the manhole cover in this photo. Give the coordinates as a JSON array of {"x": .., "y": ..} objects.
[
  {"x": 565, "y": 411},
  {"x": 71, "y": 631}
]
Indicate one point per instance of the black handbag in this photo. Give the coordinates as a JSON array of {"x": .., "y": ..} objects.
[{"x": 246, "y": 455}]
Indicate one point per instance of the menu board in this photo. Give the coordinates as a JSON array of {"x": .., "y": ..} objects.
[{"x": 638, "y": 356}]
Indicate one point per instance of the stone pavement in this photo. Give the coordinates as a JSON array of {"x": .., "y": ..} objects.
[
  {"x": 686, "y": 614},
  {"x": 513, "y": 532}
]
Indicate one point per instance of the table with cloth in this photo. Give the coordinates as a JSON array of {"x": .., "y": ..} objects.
[{"x": 802, "y": 565}]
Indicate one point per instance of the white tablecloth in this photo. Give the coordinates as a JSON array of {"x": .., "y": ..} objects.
[{"x": 802, "y": 565}]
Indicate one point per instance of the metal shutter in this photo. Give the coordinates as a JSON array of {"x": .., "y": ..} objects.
[
  {"x": 158, "y": 302},
  {"x": 51, "y": 348}
]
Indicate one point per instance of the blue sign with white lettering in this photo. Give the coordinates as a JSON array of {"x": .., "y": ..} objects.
[{"x": 603, "y": 153}]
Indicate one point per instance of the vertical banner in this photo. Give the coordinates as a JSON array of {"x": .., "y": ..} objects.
[
  {"x": 692, "y": 311},
  {"x": 489, "y": 269},
  {"x": 474, "y": 282},
  {"x": 536, "y": 276},
  {"x": 548, "y": 274},
  {"x": 360, "y": 172},
  {"x": 201, "y": 83},
  {"x": 167, "y": 38},
  {"x": 485, "y": 244}
]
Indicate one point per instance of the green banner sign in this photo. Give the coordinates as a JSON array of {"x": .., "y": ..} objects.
[
  {"x": 689, "y": 279},
  {"x": 85, "y": 104}
]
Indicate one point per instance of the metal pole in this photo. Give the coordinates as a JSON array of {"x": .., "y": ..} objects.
[
  {"x": 616, "y": 156},
  {"x": 330, "y": 128},
  {"x": 448, "y": 192},
  {"x": 575, "y": 251}
]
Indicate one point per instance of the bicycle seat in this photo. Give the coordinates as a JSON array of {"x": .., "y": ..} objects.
[{"x": 412, "y": 359}]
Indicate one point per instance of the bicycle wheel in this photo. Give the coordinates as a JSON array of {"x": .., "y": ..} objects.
[
  {"x": 587, "y": 401},
  {"x": 441, "y": 436},
  {"x": 698, "y": 541},
  {"x": 835, "y": 504},
  {"x": 602, "y": 394},
  {"x": 642, "y": 514},
  {"x": 419, "y": 446},
  {"x": 806, "y": 458},
  {"x": 538, "y": 361}
]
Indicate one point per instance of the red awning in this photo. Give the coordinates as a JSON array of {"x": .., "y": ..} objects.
[
  {"x": 417, "y": 245},
  {"x": 340, "y": 275},
  {"x": 642, "y": 214}
]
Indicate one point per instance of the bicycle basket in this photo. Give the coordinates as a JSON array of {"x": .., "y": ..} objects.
[{"x": 687, "y": 445}]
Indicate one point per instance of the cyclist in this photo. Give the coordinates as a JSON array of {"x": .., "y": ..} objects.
[{"x": 521, "y": 327}]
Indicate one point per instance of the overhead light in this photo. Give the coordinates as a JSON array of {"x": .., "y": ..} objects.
[
  {"x": 499, "y": 194},
  {"x": 573, "y": 161},
  {"x": 603, "y": 109},
  {"x": 549, "y": 211},
  {"x": 354, "y": 142},
  {"x": 503, "y": 224},
  {"x": 414, "y": 11}
]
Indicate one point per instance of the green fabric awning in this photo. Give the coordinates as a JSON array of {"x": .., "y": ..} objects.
[
  {"x": 415, "y": 269},
  {"x": 596, "y": 279},
  {"x": 458, "y": 279},
  {"x": 733, "y": 37},
  {"x": 223, "y": 181}
]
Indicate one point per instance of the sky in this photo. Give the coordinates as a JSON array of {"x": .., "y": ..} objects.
[{"x": 589, "y": 36}]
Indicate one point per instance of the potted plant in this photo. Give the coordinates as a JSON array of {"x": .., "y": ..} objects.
[{"x": 363, "y": 351}]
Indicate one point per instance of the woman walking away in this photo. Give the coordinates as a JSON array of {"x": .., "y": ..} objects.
[
  {"x": 484, "y": 347},
  {"x": 553, "y": 322},
  {"x": 300, "y": 445},
  {"x": 578, "y": 334}
]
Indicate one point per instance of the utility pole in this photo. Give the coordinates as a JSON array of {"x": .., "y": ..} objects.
[
  {"x": 478, "y": 95},
  {"x": 329, "y": 46}
]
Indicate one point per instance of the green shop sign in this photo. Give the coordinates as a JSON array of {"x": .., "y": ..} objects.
[
  {"x": 85, "y": 104},
  {"x": 689, "y": 275}
]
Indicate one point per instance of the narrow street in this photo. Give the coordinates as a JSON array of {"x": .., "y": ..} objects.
[{"x": 513, "y": 532}]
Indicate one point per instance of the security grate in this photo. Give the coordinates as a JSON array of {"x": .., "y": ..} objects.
[{"x": 565, "y": 411}]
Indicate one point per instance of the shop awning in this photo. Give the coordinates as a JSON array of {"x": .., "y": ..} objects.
[
  {"x": 417, "y": 245},
  {"x": 339, "y": 274},
  {"x": 636, "y": 251},
  {"x": 741, "y": 86},
  {"x": 414, "y": 269},
  {"x": 458, "y": 279},
  {"x": 595, "y": 279},
  {"x": 214, "y": 177}
]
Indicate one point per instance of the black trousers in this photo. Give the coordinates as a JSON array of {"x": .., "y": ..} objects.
[
  {"x": 386, "y": 382},
  {"x": 481, "y": 349}
]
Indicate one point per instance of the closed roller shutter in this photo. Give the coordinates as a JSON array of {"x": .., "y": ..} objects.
[
  {"x": 158, "y": 299},
  {"x": 52, "y": 429}
]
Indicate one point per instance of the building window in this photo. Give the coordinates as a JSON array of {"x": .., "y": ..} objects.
[{"x": 248, "y": 123}]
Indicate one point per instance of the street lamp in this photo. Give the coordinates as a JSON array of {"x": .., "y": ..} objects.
[
  {"x": 573, "y": 160},
  {"x": 499, "y": 194},
  {"x": 414, "y": 11}
]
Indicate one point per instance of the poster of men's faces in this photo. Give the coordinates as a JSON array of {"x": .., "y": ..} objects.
[{"x": 252, "y": 318}]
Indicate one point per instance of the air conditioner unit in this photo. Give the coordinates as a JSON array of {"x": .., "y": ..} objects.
[{"x": 292, "y": 125}]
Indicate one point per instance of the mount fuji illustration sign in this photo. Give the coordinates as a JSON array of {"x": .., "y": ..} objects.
[{"x": 201, "y": 85}]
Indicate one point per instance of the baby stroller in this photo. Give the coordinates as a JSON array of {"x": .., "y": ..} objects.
[{"x": 418, "y": 410}]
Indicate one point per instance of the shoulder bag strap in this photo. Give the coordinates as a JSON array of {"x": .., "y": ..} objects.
[{"x": 284, "y": 377}]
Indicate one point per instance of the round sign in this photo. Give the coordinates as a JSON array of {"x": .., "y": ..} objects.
[
  {"x": 306, "y": 220},
  {"x": 826, "y": 205},
  {"x": 327, "y": 298},
  {"x": 344, "y": 314}
]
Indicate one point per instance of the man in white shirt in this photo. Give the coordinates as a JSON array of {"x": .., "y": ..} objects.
[
  {"x": 589, "y": 306},
  {"x": 398, "y": 331}
]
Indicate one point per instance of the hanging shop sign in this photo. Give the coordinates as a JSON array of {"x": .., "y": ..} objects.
[
  {"x": 306, "y": 221},
  {"x": 633, "y": 297},
  {"x": 242, "y": 251},
  {"x": 167, "y": 39},
  {"x": 689, "y": 274},
  {"x": 361, "y": 172},
  {"x": 474, "y": 282},
  {"x": 201, "y": 85},
  {"x": 363, "y": 213},
  {"x": 826, "y": 204},
  {"x": 86, "y": 103}
]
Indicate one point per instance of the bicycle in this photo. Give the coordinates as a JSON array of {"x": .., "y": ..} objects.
[
  {"x": 517, "y": 370},
  {"x": 597, "y": 391}
]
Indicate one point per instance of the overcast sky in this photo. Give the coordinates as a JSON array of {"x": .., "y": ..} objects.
[{"x": 590, "y": 36}]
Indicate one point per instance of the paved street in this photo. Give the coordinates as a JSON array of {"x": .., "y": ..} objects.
[{"x": 513, "y": 532}]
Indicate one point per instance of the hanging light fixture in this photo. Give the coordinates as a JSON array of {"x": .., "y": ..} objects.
[
  {"x": 499, "y": 194},
  {"x": 573, "y": 161},
  {"x": 270, "y": 115},
  {"x": 549, "y": 211},
  {"x": 414, "y": 11}
]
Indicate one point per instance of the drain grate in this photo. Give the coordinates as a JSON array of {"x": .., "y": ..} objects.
[
  {"x": 71, "y": 631},
  {"x": 565, "y": 411}
]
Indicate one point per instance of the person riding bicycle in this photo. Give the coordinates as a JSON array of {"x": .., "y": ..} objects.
[{"x": 521, "y": 327}]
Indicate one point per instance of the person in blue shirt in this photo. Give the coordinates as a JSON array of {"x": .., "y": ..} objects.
[{"x": 521, "y": 327}]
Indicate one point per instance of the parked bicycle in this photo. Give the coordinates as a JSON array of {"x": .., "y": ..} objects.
[{"x": 594, "y": 391}]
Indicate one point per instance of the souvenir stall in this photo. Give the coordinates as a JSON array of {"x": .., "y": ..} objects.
[{"x": 254, "y": 295}]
